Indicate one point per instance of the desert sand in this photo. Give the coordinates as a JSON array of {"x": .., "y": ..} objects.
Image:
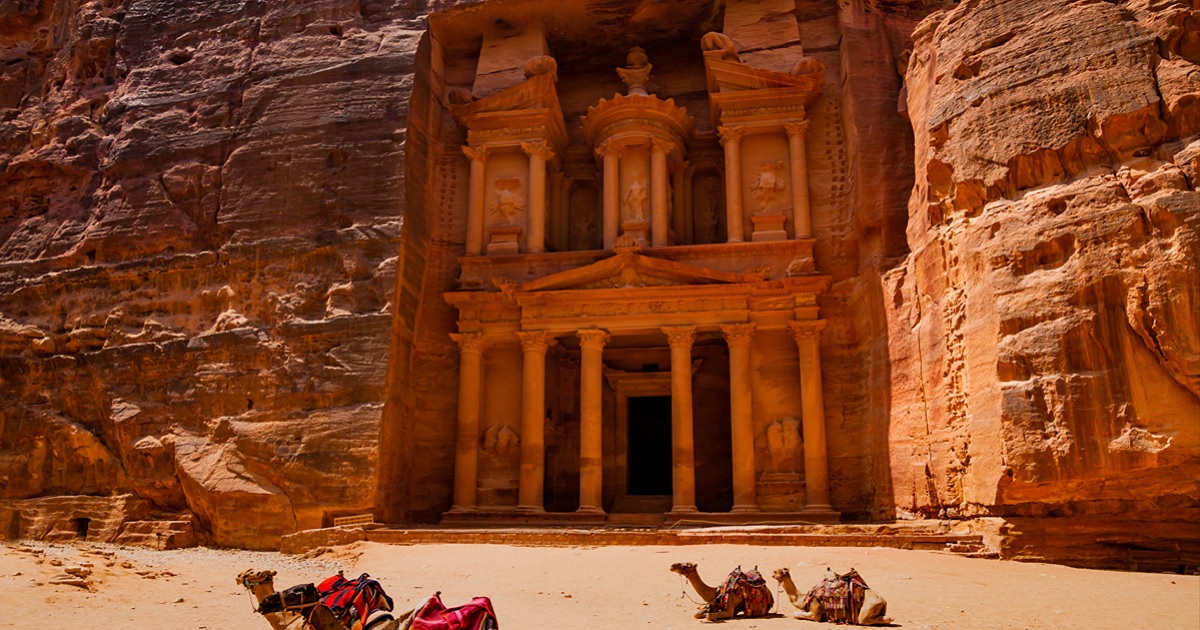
[{"x": 537, "y": 588}]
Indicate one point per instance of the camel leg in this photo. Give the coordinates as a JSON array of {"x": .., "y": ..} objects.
[
  {"x": 873, "y": 611},
  {"x": 813, "y": 613}
]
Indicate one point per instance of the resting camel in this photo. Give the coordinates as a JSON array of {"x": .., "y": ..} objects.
[
  {"x": 262, "y": 583},
  {"x": 741, "y": 592},
  {"x": 838, "y": 598}
]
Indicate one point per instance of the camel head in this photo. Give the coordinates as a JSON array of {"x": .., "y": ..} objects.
[
  {"x": 251, "y": 579},
  {"x": 782, "y": 574},
  {"x": 684, "y": 568}
]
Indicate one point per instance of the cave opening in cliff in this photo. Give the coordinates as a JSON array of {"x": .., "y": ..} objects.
[{"x": 81, "y": 526}]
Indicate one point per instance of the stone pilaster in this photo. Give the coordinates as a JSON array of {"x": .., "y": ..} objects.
[
  {"x": 539, "y": 152},
  {"x": 683, "y": 448},
  {"x": 741, "y": 414},
  {"x": 591, "y": 462},
  {"x": 533, "y": 420},
  {"x": 816, "y": 458},
  {"x": 731, "y": 138},
  {"x": 470, "y": 396},
  {"x": 478, "y": 157},
  {"x": 611, "y": 153},
  {"x": 660, "y": 226},
  {"x": 802, "y": 214}
]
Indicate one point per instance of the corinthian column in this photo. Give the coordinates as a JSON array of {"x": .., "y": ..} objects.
[
  {"x": 802, "y": 215},
  {"x": 683, "y": 449},
  {"x": 478, "y": 157},
  {"x": 816, "y": 460},
  {"x": 538, "y": 153},
  {"x": 741, "y": 417},
  {"x": 611, "y": 153},
  {"x": 470, "y": 395},
  {"x": 660, "y": 229},
  {"x": 533, "y": 420},
  {"x": 731, "y": 138},
  {"x": 591, "y": 463}
]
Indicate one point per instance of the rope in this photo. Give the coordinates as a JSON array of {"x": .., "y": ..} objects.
[{"x": 683, "y": 592}]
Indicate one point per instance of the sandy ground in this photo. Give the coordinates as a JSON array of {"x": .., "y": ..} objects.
[{"x": 602, "y": 587}]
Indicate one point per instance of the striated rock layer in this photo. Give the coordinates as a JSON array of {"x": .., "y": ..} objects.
[
  {"x": 1044, "y": 337},
  {"x": 199, "y": 215}
]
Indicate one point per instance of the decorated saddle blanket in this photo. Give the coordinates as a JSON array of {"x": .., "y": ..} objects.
[
  {"x": 841, "y": 597},
  {"x": 474, "y": 615},
  {"x": 352, "y": 601},
  {"x": 756, "y": 597}
]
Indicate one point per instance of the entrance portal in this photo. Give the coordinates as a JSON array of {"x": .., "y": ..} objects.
[{"x": 649, "y": 445}]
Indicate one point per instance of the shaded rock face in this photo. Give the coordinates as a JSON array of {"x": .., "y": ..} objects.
[
  {"x": 1043, "y": 332},
  {"x": 199, "y": 216}
]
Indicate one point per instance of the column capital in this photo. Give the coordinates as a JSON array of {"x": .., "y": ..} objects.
[
  {"x": 739, "y": 334},
  {"x": 593, "y": 338},
  {"x": 470, "y": 343},
  {"x": 610, "y": 147},
  {"x": 796, "y": 128},
  {"x": 806, "y": 329},
  {"x": 538, "y": 147},
  {"x": 730, "y": 134},
  {"x": 477, "y": 153},
  {"x": 658, "y": 145},
  {"x": 536, "y": 340},
  {"x": 682, "y": 336}
]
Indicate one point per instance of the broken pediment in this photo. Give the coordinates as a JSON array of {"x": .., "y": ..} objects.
[
  {"x": 528, "y": 109},
  {"x": 631, "y": 269}
]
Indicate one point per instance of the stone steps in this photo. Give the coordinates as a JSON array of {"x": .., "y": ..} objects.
[{"x": 828, "y": 536}]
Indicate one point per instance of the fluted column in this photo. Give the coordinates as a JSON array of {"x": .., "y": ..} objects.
[
  {"x": 683, "y": 448},
  {"x": 538, "y": 153},
  {"x": 816, "y": 459},
  {"x": 660, "y": 227},
  {"x": 478, "y": 157},
  {"x": 802, "y": 215},
  {"x": 731, "y": 138},
  {"x": 591, "y": 462},
  {"x": 533, "y": 420},
  {"x": 611, "y": 153},
  {"x": 741, "y": 415},
  {"x": 470, "y": 395}
]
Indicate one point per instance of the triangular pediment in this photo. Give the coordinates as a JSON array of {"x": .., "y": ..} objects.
[{"x": 631, "y": 270}]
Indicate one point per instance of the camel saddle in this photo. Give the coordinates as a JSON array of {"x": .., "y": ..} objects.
[
  {"x": 474, "y": 615},
  {"x": 756, "y": 597},
  {"x": 840, "y": 596}
]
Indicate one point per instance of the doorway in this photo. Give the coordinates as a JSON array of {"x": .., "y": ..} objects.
[{"x": 649, "y": 446}]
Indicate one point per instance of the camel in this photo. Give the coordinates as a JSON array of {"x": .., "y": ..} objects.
[
  {"x": 741, "y": 592},
  {"x": 835, "y": 599},
  {"x": 260, "y": 584}
]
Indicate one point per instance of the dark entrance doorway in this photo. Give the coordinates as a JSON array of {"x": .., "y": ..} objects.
[{"x": 649, "y": 445}]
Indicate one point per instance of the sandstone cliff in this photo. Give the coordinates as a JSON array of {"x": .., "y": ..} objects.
[
  {"x": 1043, "y": 333},
  {"x": 199, "y": 217}
]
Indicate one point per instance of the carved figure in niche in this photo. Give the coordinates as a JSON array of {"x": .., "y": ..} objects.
[
  {"x": 769, "y": 185},
  {"x": 508, "y": 202},
  {"x": 636, "y": 75},
  {"x": 783, "y": 442},
  {"x": 633, "y": 203},
  {"x": 500, "y": 440},
  {"x": 582, "y": 229}
]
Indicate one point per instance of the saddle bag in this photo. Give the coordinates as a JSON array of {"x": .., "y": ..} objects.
[
  {"x": 474, "y": 615},
  {"x": 297, "y": 597}
]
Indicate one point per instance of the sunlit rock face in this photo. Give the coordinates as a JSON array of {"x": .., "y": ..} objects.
[
  {"x": 202, "y": 318},
  {"x": 200, "y": 207},
  {"x": 1043, "y": 332}
]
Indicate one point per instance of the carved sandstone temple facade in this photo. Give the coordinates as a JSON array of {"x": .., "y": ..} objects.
[{"x": 637, "y": 318}]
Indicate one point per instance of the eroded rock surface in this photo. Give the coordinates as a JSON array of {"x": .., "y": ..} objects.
[
  {"x": 1043, "y": 332},
  {"x": 199, "y": 215}
]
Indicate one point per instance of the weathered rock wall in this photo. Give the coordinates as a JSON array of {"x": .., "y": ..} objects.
[
  {"x": 1043, "y": 335},
  {"x": 199, "y": 217}
]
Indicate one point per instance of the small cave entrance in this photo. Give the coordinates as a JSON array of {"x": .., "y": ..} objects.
[{"x": 81, "y": 525}]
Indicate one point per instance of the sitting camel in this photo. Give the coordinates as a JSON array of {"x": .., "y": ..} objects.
[
  {"x": 260, "y": 584},
  {"x": 746, "y": 593},
  {"x": 837, "y": 598}
]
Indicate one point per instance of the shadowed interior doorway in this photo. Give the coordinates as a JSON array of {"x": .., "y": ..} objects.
[{"x": 649, "y": 445}]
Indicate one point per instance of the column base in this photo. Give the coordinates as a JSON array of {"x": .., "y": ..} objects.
[
  {"x": 684, "y": 509},
  {"x": 588, "y": 509}
]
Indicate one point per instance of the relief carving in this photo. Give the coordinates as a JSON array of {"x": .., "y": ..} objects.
[
  {"x": 502, "y": 441},
  {"x": 633, "y": 202},
  {"x": 783, "y": 443},
  {"x": 509, "y": 203},
  {"x": 768, "y": 186}
]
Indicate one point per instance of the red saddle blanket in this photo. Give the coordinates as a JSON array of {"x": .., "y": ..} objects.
[{"x": 474, "y": 615}]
